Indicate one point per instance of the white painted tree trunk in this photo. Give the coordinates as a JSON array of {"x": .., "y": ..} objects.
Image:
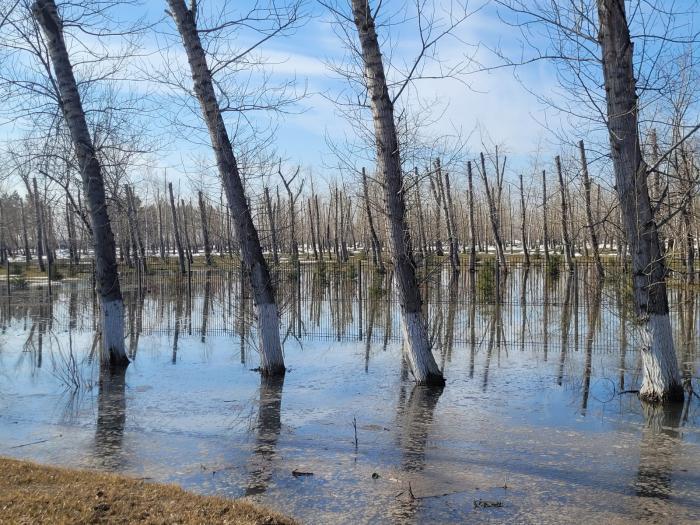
[
  {"x": 415, "y": 333},
  {"x": 272, "y": 359},
  {"x": 661, "y": 381},
  {"x": 423, "y": 365},
  {"x": 658, "y": 359},
  {"x": 106, "y": 272},
  {"x": 246, "y": 233},
  {"x": 112, "y": 322}
]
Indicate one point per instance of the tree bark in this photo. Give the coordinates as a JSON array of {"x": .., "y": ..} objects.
[
  {"x": 106, "y": 275},
  {"x": 417, "y": 342},
  {"x": 39, "y": 227},
  {"x": 545, "y": 232},
  {"x": 137, "y": 230},
  {"x": 273, "y": 227},
  {"x": 25, "y": 237},
  {"x": 446, "y": 197},
  {"x": 568, "y": 251},
  {"x": 377, "y": 247},
  {"x": 662, "y": 380},
  {"x": 204, "y": 218},
  {"x": 472, "y": 226},
  {"x": 589, "y": 211},
  {"x": 523, "y": 233},
  {"x": 272, "y": 360},
  {"x": 176, "y": 230},
  {"x": 494, "y": 216}
]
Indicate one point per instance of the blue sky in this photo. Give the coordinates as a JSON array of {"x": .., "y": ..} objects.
[{"x": 492, "y": 107}]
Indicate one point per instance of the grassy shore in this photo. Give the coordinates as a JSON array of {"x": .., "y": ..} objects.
[{"x": 36, "y": 494}]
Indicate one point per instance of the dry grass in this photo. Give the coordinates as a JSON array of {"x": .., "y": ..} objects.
[{"x": 35, "y": 494}]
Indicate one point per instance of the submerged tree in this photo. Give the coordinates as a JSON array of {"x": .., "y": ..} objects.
[
  {"x": 272, "y": 360},
  {"x": 662, "y": 381},
  {"x": 606, "y": 80},
  {"x": 106, "y": 275},
  {"x": 417, "y": 342}
]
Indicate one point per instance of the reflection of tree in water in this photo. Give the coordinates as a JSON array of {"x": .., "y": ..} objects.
[
  {"x": 205, "y": 306},
  {"x": 370, "y": 329},
  {"x": 111, "y": 416},
  {"x": 593, "y": 320},
  {"x": 496, "y": 338},
  {"x": 415, "y": 417},
  {"x": 448, "y": 341},
  {"x": 657, "y": 450},
  {"x": 565, "y": 326},
  {"x": 472, "y": 322},
  {"x": 267, "y": 429}
]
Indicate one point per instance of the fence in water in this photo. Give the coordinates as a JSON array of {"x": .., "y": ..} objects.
[{"x": 534, "y": 308}]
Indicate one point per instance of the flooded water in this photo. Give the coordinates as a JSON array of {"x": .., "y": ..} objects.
[{"x": 532, "y": 427}]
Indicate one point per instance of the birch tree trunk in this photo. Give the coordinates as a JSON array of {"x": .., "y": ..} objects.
[
  {"x": 106, "y": 274},
  {"x": 662, "y": 381},
  {"x": 417, "y": 342},
  {"x": 271, "y": 358}
]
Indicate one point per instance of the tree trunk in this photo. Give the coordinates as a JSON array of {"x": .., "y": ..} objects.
[
  {"x": 318, "y": 228},
  {"x": 39, "y": 227},
  {"x": 273, "y": 227},
  {"x": 176, "y": 230},
  {"x": 589, "y": 212},
  {"x": 205, "y": 228},
  {"x": 421, "y": 220},
  {"x": 137, "y": 230},
  {"x": 438, "y": 217},
  {"x": 662, "y": 380},
  {"x": 417, "y": 342},
  {"x": 25, "y": 237},
  {"x": 545, "y": 232},
  {"x": 494, "y": 215},
  {"x": 376, "y": 245},
  {"x": 446, "y": 197},
  {"x": 523, "y": 222},
  {"x": 106, "y": 275},
  {"x": 272, "y": 361},
  {"x": 472, "y": 227},
  {"x": 568, "y": 251},
  {"x": 186, "y": 231}
]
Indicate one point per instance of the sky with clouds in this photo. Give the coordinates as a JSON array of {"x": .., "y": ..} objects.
[{"x": 496, "y": 107}]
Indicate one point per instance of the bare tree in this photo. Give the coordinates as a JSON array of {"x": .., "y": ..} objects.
[
  {"x": 662, "y": 380},
  {"x": 417, "y": 343},
  {"x": 272, "y": 360},
  {"x": 107, "y": 277}
]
